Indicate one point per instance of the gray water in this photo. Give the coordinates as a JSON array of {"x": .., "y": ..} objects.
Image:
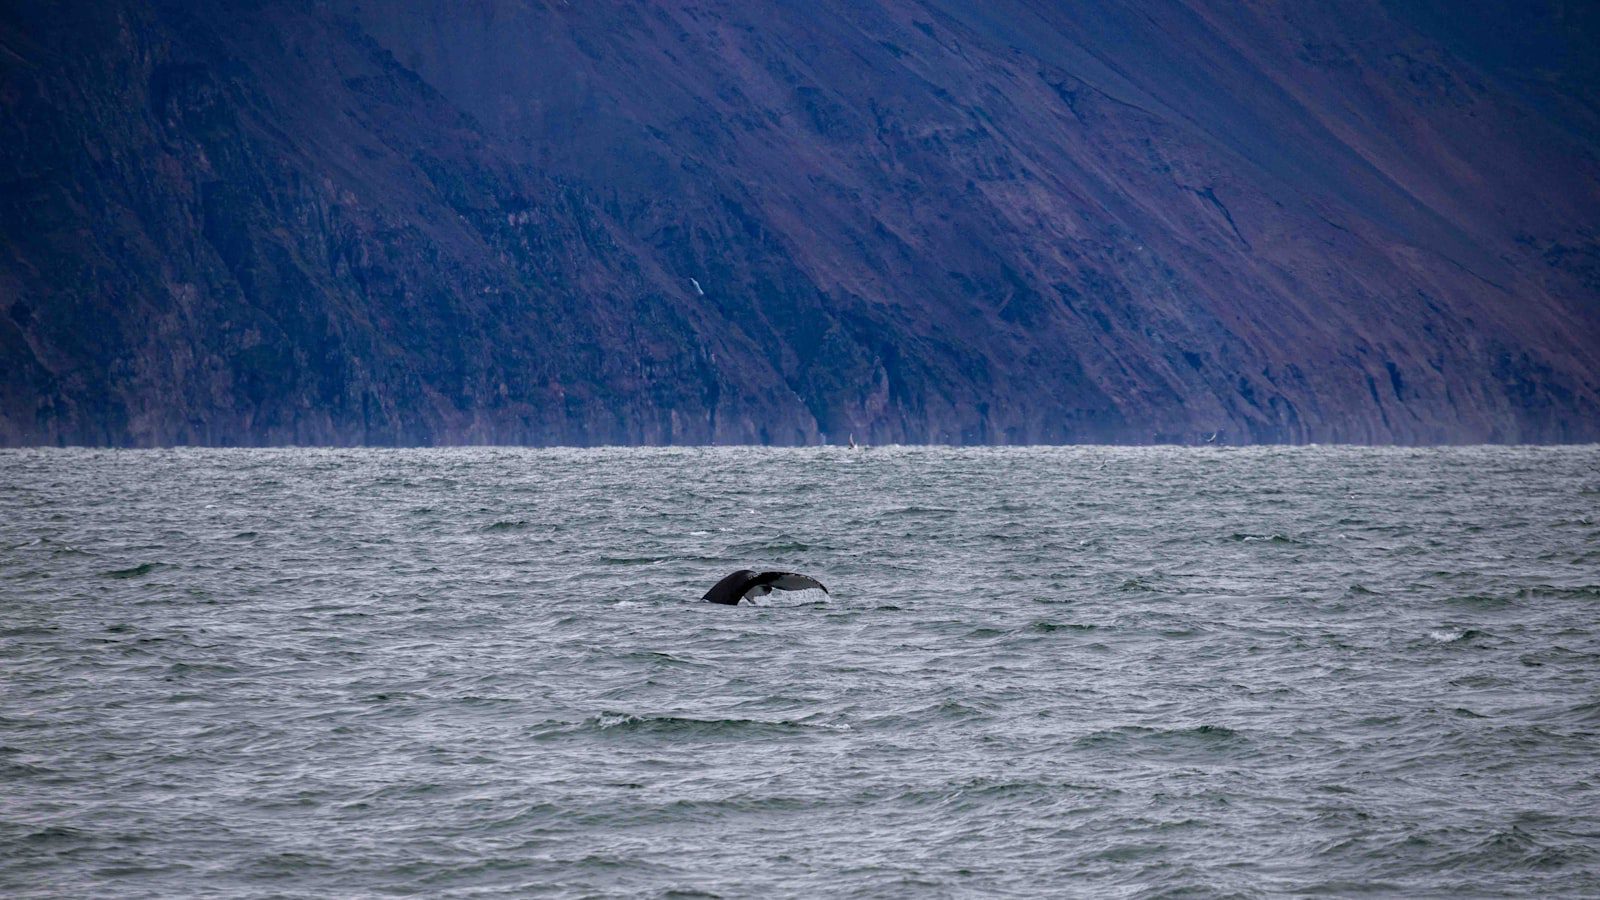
[{"x": 1083, "y": 671}]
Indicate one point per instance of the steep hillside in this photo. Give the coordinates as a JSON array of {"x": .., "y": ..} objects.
[{"x": 519, "y": 221}]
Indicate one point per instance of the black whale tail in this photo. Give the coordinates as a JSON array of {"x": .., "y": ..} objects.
[{"x": 749, "y": 584}]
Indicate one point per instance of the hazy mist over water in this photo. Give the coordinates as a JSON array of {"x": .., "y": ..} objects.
[{"x": 1106, "y": 671}]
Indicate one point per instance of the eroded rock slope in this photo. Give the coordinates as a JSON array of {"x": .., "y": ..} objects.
[{"x": 518, "y": 221}]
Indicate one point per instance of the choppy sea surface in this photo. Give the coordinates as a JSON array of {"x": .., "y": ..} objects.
[{"x": 1082, "y": 671}]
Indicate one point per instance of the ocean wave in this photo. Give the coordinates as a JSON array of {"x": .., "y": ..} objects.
[
  {"x": 1203, "y": 737},
  {"x": 1454, "y": 635},
  {"x": 619, "y": 724},
  {"x": 137, "y": 571},
  {"x": 508, "y": 525}
]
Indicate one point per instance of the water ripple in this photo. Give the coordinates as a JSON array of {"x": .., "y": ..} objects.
[{"x": 1150, "y": 671}]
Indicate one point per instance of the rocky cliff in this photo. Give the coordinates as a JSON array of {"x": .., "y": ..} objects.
[{"x": 541, "y": 221}]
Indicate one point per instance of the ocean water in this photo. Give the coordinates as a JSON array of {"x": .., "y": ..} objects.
[{"x": 1080, "y": 671}]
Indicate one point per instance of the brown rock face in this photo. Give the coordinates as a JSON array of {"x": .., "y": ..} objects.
[{"x": 515, "y": 221}]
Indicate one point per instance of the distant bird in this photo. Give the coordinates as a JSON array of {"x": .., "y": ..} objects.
[
  {"x": 697, "y": 291},
  {"x": 1213, "y": 438},
  {"x": 747, "y": 584},
  {"x": 852, "y": 440}
]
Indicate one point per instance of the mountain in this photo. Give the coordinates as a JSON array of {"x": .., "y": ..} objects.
[{"x": 552, "y": 222}]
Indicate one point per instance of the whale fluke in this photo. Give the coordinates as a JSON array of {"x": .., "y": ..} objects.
[{"x": 748, "y": 584}]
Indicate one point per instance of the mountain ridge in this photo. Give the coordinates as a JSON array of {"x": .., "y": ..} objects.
[{"x": 536, "y": 223}]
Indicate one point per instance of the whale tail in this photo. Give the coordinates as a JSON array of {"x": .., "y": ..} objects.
[{"x": 748, "y": 584}]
